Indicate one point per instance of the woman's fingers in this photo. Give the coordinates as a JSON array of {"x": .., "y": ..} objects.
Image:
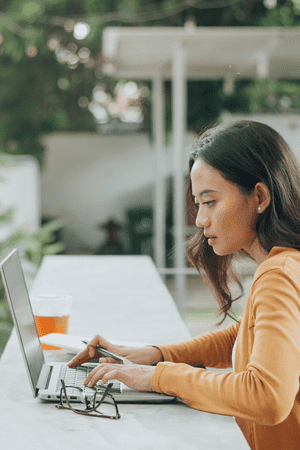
[
  {"x": 104, "y": 374},
  {"x": 80, "y": 358},
  {"x": 133, "y": 375},
  {"x": 106, "y": 360},
  {"x": 146, "y": 355},
  {"x": 94, "y": 376},
  {"x": 99, "y": 340},
  {"x": 90, "y": 352}
]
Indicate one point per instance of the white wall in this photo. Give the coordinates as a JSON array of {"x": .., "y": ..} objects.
[
  {"x": 20, "y": 190},
  {"x": 89, "y": 179}
]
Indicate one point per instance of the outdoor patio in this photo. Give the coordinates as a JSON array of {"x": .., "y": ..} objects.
[{"x": 200, "y": 314}]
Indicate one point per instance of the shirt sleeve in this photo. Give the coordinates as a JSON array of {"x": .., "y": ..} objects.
[
  {"x": 265, "y": 391},
  {"x": 212, "y": 349}
]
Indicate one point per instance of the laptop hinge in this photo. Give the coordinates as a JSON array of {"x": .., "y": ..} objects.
[{"x": 44, "y": 378}]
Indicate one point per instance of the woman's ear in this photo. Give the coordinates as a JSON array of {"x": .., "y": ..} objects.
[{"x": 263, "y": 196}]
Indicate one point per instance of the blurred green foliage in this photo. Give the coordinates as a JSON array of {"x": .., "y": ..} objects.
[
  {"x": 43, "y": 242},
  {"x": 33, "y": 247},
  {"x": 40, "y": 95}
]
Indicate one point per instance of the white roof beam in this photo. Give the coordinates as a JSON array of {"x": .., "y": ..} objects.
[
  {"x": 159, "y": 209},
  {"x": 179, "y": 109}
]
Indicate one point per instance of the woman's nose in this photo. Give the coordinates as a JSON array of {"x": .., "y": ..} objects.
[{"x": 202, "y": 222}]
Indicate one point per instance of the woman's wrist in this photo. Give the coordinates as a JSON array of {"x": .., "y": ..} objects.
[
  {"x": 149, "y": 355},
  {"x": 156, "y": 355}
]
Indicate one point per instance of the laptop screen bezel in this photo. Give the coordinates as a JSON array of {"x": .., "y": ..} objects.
[{"x": 34, "y": 366}]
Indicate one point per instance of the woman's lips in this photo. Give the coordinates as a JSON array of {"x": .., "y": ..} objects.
[{"x": 211, "y": 240}]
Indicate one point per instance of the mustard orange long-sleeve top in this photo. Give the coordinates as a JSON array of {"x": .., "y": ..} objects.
[{"x": 263, "y": 393}]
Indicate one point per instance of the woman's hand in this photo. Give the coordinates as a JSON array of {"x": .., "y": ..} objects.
[
  {"x": 133, "y": 375},
  {"x": 146, "y": 355}
]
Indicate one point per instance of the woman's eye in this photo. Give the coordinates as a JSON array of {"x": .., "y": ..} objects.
[{"x": 209, "y": 204}]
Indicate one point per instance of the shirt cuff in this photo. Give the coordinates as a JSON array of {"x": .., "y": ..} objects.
[{"x": 155, "y": 379}]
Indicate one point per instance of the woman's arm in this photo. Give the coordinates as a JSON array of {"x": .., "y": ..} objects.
[
  {"x": 148, "y": 355},
  {"x": 266, "y": 388},
  {"x": 212, "y": 349}
]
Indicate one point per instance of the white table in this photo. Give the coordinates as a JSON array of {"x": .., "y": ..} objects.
[{"x": 122, "y": 298}]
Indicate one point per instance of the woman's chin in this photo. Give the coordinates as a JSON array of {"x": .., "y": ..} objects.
[{"x": 221, "y": 252}]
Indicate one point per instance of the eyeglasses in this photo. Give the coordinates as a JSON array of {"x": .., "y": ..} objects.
[{"x": 89, "y": 403}]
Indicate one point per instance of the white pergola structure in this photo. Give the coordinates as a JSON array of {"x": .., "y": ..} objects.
[{"x": 179, "y": 54}]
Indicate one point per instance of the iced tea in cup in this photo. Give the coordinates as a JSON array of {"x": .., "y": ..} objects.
[{"x": 51, "y": 313}]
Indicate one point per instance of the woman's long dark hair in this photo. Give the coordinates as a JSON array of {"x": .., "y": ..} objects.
[{"x": 245, "y": 153}]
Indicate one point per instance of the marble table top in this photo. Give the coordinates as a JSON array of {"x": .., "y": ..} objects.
[{"x": 122, "y": 298}]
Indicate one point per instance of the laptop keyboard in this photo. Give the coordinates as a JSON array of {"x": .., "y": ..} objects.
[{"x": 75, "y": 376}]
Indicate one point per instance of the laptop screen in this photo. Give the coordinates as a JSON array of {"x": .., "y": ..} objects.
[{"x": 18, "y": 300}]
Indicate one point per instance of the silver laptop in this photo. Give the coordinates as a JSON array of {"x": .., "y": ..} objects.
[{"x": 45, "y": 377}]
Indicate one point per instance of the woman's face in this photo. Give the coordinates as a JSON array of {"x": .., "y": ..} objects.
[{"x": 226, "y": 215}]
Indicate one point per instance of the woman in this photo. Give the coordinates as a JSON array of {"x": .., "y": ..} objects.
[{"x": 244, "y": 193}]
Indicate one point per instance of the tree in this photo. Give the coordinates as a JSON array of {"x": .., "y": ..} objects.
[
  {"x": 46, "y": 85},
  {"x": 48, "y": 70}
]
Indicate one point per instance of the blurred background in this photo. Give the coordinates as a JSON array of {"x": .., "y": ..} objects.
[{"x": 90, "y": 122}]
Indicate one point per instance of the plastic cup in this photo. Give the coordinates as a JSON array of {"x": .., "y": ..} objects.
[{"x": 52, "y": 314}]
